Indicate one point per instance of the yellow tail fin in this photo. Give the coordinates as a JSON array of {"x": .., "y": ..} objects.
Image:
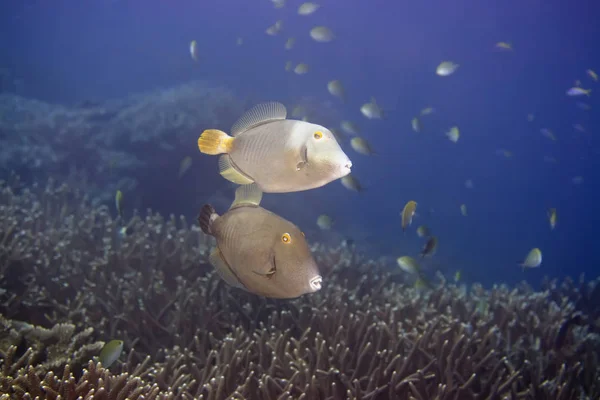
[{"x": 214, "y": 141}]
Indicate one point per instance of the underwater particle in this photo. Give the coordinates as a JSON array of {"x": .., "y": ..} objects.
[
  {"x": 407, "y": 214},
  {"x": 194, "y": 52},
  {"x": 111, "y": 352},
  {"x": 259, "y": 251},
  {"x": 578, "y": 91},
  {"x": 324, "y": 222},
  {"x": 457, "y": 276},
  {"x": 408, "y": 265},
  {"x": 416, "y": 124},
  {"x": 321, "y": 34},
  {"x": 335, "y": 88},
  {"x": 308, "y": 8},
  {"x": 548, "y": 133},
  {"x": 301, "y": 69},
  {"x": 579, "y": 128},
  {"x": 298, "y": 112},
  {"x": 583, "y": 106},
  {"x": 279, "y": 3},
  {"x": 349, "y": 128},
  {"x": 289, "y": 44},
  {"x": 274, "y": 29},
  {"x": 265, "y": 130},
  {"x": 446, "y": 68},
  {"x": 119, "y": 203},
  {"x": 469, "y": 184},
  {"x": 504, "y": 153},
  {"x": 533, "y": 259},
  {"x": 530, "y": 117},
  {"x": 288, "y": 66},
  {"x": 463, "y": 210},
  {"x": 184, "y": 165},
  {"x": 361, "y": 146},
  {"x": 430, "y": 247},
  {"x": 453, "y": 134},
  {"x": 371, "y": 110},
  {"x": 550, "y": 159},
  {"x": 239, "y": 41},
  {"x": 350, "y": 182},
  {"x": 504, "y": 46},
  {"x": 423, "y": 231},
  {"x": 552, "y": 218},
  {"x": 427, "y": 111},
  {"x": 592, "y": 75},
  {"x": 577, "y": 180}
]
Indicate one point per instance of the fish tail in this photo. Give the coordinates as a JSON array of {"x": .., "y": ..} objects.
[
  {"x": 206, "y": 218},
  {"x": 214, "y": 141}
]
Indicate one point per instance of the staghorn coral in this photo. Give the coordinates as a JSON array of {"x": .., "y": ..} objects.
[{"x": 365, "y": 335}]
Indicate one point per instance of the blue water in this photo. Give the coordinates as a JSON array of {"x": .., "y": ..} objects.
[{"x": 69, "y": 51}]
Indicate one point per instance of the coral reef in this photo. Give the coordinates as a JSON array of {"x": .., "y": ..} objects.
[{"x": 365, "y": 335}]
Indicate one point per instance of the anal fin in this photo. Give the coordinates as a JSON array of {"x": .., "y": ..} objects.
[
  {"x": 229, "y": 171},
  {"x": 224, "y": 270}
]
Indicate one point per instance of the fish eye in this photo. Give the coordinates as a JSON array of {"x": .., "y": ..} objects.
[
  {"x": 318, "y": 135},
  {"x": 286, "y": 238}
]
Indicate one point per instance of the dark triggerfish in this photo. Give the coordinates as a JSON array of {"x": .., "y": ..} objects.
[{"x": 259, "y": 251}]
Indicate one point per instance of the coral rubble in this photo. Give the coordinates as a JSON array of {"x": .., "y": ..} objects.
[{"x": 75, "y": 283}]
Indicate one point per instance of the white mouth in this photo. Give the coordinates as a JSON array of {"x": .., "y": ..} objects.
[{"x": 315, "y": 283}]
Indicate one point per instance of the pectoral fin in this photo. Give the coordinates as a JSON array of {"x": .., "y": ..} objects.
[{"x": 229, "y": 171}]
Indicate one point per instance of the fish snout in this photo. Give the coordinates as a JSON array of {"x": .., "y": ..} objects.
[{"x": 315, "y": 283}]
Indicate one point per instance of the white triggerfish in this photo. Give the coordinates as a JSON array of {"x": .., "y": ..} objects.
[
  {"x": 278, "y": 154},
  {"x": 259, "y": 251}
]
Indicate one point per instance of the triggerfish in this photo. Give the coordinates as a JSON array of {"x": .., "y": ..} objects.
[
  {"x": 259, "y": 251},
  {"x": 278, "y": 154}
]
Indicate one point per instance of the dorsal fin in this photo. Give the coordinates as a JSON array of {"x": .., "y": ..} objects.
[
  {"x": 247, "y": 195},
  {"x": 258, "y": 115}
]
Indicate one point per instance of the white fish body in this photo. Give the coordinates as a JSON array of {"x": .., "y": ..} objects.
[
  {"x": 308, "y": 8},
  {"x": 446, "y": 68},
  {"x": 335, "y": 88},
  {"x": 371, "y": 110},
  {"x": 321, "y": 34},
  {"x": 533, "y": 259}
]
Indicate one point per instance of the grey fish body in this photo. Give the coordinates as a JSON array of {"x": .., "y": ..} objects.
[
  {"x": 261, "y": 252},
  {"x": 277, "y": 154}
]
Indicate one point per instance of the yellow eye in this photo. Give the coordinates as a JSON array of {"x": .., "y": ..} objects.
[
  {"x": 318, "y": 135},
  {"x": 286, "y": 238}
]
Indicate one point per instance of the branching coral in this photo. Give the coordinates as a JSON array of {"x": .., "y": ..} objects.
[{"x": 365, "y": 335}]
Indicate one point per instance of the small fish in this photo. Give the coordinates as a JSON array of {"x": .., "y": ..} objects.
[
  {"x": 184, "y": 165},
  {"x": 288, "y": 66},
  {"x": 110, "y": 352},
  {"x": 416, "y": 124},
  {"x": 552, "y": 218},
  {"x": 504, "y": 152},
  {"x": 257, "y": 250},
  {"x": 278, "y": 154},
  {"x": 583, "y": 106},
  {"x": 408, "y": 265},
  {"x": 446, "y": 68},
  {"x": 422, "y": 284},
  {"x": 577, "y": 91},
  {"x": 301, "y": 69},
  {"x": 349, "y": 127},
  {"x": 427, "y": 111},
  {"x": 335, "y": 88},
  {"x": 289, "y": 44},
  {"x": 351, "y": 183},
  {"x": 533, "y": 259},
  {"x": 457, "y": 276},
  {"x": 548, "y": 133},
  {"x": 592, "y": 75},
  {"x": 324, "y": 222},
  {"x": 361, "y": 146},
  {"x": 530, "y": 117},
  {"x": 194, "y": 52},
  {"x": 469, "y": 184},
  {"x": 299, "y": 112},
  {"x": 308, "y": 8},
  {"x": 275, "y": 28},
  {"x": 504, "y": 46},
  {"x": 429, "y": 247},
  {"x": 371, "y": 110},
  {"x": 321, "y": 34},
  {"x": 453, "y": 134},
  {"x": 407, "y": 214},
  {"x": 579, "y": 128},
  {"x": 119, "y": 203},
  {"x": 278, "y": 3},
  {"x": 423, "y": 231},
  {"x": 463, "y": 210}
]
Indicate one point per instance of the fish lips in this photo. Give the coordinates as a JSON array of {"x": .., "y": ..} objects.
[{"x": 315, "y": 283}]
